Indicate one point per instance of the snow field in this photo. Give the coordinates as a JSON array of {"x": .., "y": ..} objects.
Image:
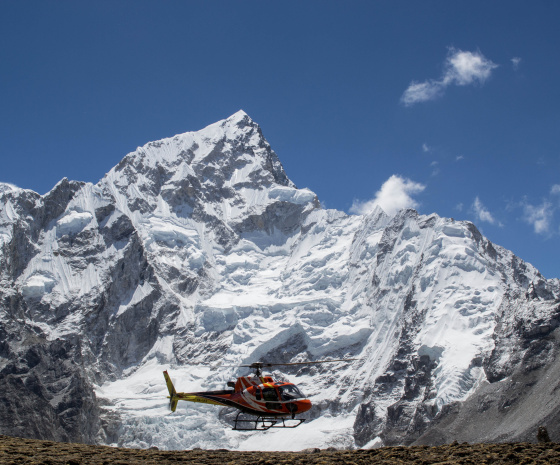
[
  {"x": 195, "y": 209},
  {"x": 280, "y": 301}
]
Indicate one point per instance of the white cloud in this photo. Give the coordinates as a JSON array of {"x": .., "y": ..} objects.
[
  {"x": 435, "y": 168},
  {"x": 461, "y": 69},
  {"x": 481, "y": 212},
  {"x": 459, "y": 158},
  {"x": 538, "y": 216},
  {"x": 395, "y": 194},
  {"x": 425, "y": 148},
  {"x": 516, "y": 61},
  {"x": 421, "y": 92},
  {"x": 464, "y": 68},
  {"x": 555, "y": 189}
]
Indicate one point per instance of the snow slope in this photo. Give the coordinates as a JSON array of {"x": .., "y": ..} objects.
[{"x": 197, "y": 251}]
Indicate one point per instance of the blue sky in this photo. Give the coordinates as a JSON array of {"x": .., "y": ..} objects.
[{"x": 451, "y": 107}]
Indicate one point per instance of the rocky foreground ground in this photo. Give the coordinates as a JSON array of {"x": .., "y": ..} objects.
[{"x": 18, "y": 450}]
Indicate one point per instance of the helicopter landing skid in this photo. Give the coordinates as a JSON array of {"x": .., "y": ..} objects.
[{"x": 262, "y": 423}]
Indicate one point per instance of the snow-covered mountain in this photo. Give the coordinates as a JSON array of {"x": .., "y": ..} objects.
[{"x": 197, "y": 251}]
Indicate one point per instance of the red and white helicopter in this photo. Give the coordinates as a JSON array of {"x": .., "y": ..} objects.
[{"x": 271, "y": 402}]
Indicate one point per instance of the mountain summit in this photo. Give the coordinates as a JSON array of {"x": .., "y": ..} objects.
[{"x": 197, "y": 251}]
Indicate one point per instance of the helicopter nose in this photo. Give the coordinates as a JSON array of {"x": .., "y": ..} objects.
[{"x": 304, "y": 405}]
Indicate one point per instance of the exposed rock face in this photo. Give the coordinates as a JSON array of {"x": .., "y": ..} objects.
[
  {"x": 198, "y": 249},
  {"x": 45, "y": 391},
  {"x": 523, "y": 373}
]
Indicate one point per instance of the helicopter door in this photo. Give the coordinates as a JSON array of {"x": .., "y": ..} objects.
[{"x": 270, "y": 396}]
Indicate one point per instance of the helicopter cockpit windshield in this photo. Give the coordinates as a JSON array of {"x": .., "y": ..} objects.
[{"x": 290, "y": 392}]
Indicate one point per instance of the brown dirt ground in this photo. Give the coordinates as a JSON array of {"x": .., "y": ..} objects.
[{"x": 18, "y": 450}]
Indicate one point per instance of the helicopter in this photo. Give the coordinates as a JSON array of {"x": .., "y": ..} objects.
[{"x": 273, "y": 404}]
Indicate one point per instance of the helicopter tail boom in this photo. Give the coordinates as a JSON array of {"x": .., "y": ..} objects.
[
  {"x": 209, "y": 397},
  {"x": 173, "y": 398}
]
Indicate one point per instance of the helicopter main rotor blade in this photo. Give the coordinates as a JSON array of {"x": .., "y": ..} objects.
[
  {"x": 265, "y": 364},
  {"x": 308, "y": 363}
]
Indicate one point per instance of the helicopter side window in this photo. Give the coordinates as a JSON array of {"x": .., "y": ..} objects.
[
  {"x": 290, "y": 392},
  {"x": 269, "y": 395},
  {"x": 258, "y": 393}
]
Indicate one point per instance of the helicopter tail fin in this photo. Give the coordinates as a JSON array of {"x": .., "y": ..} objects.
[{"x": 173, "y": 398}]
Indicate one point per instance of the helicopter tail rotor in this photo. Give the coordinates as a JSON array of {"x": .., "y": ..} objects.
[{"x": 173, "y": 398}]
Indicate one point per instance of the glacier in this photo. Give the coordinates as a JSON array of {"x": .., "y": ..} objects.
[{"x": 196, "y": 253}]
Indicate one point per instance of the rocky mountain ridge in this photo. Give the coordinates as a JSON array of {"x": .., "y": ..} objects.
[{"x": 198, "y": 250}]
